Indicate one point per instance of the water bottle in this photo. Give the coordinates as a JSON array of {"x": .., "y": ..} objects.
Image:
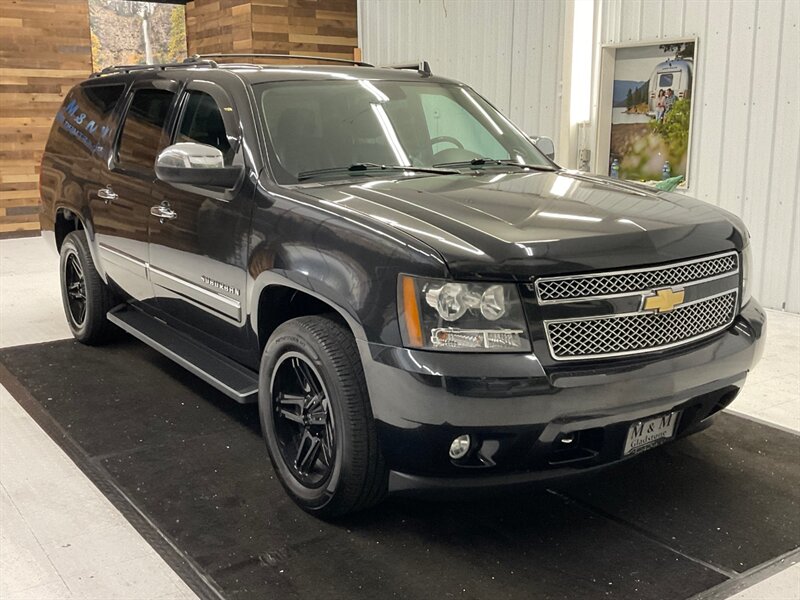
[
  {"x": 615, "y": 168},
  {"x": 666, "y": 170}
]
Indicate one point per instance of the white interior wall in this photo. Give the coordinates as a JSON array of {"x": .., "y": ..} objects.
[
  {"x": 745, "y": 147},
  {"x": 479, "y": 42},
  {"x": 745, "y": 154}
]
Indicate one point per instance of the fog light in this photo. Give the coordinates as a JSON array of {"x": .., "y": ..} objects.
[{"x": 460, "y": 447}]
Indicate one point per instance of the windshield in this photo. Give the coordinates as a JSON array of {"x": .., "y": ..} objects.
[{"x": 328, "y": 126}]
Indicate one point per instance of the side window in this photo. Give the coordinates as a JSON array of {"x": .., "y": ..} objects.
[
  {"x": 446, "y": 119},
  {"x": 82, "y": 121},
  {"x": 143, "y": 127},
  {"x": 103, "y": 98},
  {"x": 202, "y": 122}
]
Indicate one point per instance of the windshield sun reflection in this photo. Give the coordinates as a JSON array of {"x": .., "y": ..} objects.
[{"x": 338, "y": 129}]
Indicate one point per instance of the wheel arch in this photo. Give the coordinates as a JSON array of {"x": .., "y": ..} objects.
[
  {"x": 66, "y": 220},
  {"x": 293, "y": 300}
]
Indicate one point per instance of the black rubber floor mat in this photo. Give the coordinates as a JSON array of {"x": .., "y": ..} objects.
[{"x": 672, "y": 523}]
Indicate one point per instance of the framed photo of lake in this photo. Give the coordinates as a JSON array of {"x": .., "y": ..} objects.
[{"x": 649, "y": 99}]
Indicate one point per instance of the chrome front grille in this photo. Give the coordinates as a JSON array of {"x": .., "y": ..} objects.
[
  {"x": 634, "y": 333},
  {"x": 550, "y": 290}
]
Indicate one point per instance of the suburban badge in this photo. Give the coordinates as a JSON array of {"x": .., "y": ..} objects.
[{"x": 219, "y": 285}]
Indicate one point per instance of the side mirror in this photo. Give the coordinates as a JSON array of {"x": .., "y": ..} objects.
[
  {"x": 191, "y": 163},
  {"x": 545, "y": 145}
]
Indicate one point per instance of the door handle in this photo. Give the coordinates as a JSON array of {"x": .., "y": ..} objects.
[
  {"x": 163, "y": 212},
  {"x": 107, "y": 194}
]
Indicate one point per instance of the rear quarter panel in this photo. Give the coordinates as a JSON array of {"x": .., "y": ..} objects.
[{"x": 82, "y": 129}]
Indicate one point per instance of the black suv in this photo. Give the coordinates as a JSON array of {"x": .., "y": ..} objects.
[{"x": 416, "y": 296}]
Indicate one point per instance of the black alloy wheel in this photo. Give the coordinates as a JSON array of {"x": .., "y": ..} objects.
[
  {"x": 75, "y": 288},
  {"x": 304, "y": 420},
  {"x": 317, "y": 418},
  {"x": 86, "y": 297}
]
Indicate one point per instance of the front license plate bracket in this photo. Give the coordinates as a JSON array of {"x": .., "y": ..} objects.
[{"x": 650, "y": 432}]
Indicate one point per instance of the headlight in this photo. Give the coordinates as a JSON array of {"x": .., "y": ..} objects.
[
  {"x": 438, "y": 314},
  {"x": 747, "y": 270}
]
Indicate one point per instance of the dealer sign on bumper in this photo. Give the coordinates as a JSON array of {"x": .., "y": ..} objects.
[{"x": 648, "y": 433}]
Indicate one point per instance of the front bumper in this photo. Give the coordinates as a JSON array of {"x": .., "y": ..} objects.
[{"x": 519, "y": 410}]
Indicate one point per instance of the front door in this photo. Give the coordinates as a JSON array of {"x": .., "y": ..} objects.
[
  {"x": 198, "y": 257},
  {"x": 121, "y": 206}
]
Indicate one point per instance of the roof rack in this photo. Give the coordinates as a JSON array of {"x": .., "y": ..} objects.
[
  {"x": 357, "y": 63},
  {"x": 192, "y": 61},
  {"x": 422, "y": 67},
  {"x": 204, "y": 60}
]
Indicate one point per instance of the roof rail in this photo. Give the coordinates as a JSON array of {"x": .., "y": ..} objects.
[
  {"x": 357, "y": 63},
  {"x": 192, "y": 61},
  {"x": 422, "y": 67}
]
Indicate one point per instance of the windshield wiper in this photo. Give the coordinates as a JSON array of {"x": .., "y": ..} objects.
[
  {"x": 366, "y": 166},
  {"x": 479, "y": 162}
]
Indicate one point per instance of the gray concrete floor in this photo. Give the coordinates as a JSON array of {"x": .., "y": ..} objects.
[
  {"x": 59, "y": 535},
  {"x": 61, "y": 538}
]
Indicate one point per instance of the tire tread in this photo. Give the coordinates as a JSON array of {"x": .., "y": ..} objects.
[
  {"x": 100, "y": 299},
  {"x": 368, "y": 484},
  {"x": 341, "y": 347}
]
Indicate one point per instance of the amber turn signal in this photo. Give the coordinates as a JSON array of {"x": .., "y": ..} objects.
[{"x": 410, "y": 316}]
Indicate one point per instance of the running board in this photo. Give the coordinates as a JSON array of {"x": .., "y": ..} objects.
[{"x": 229, "y": 377}]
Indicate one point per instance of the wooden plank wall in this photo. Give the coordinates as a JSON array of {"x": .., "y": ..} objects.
[
  {"x": 319, "y": 27},
  {"x": 218, "y": 26},
  {"x": 323, "y": 27},
  {"x": 44, "y": 50}
]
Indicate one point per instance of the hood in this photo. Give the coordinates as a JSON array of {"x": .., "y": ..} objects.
[{"x": 518, "y": 225}]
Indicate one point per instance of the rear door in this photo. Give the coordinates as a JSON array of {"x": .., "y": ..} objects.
[
  {"x": 677, "y": 82},
  {"x": 198, "y": 259},
  {"x": 121, "y": 205}
]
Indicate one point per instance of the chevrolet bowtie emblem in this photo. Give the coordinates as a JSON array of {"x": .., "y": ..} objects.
[{"x": 663, "y": 300}]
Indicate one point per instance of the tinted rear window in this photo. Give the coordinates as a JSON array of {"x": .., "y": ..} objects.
[
  {"x": 142, "y": 132},
  {"x": 82, "y": 123}
]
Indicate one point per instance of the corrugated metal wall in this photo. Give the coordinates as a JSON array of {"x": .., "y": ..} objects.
[
  {"x": 480, "y": 42},
  {"x": 746, "y": 142},
  {"x": 746, "y": 124}
]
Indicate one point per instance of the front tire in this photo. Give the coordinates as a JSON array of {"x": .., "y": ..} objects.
[
  {"x": 85, "y": 295},
  {"x": 317, "y": 420}
]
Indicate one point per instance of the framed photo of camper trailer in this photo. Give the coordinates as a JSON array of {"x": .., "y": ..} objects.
[{"x": 644, "y": 121}]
